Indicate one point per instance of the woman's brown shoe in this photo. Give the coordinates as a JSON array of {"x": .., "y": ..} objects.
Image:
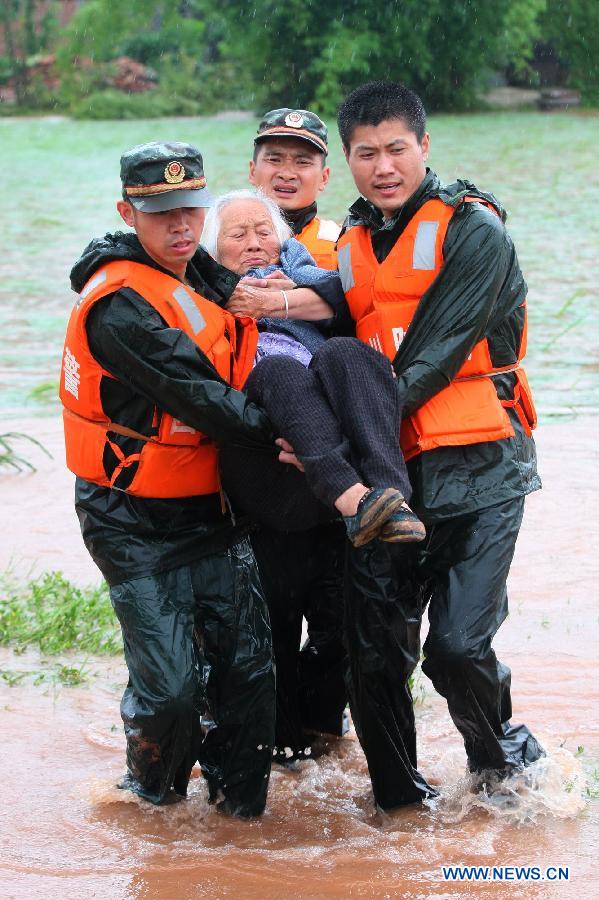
[
  {"x": 374, "y": 509},
  {"x": 403, "y": 525}
]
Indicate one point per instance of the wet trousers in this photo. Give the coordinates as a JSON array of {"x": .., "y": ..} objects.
[
  {"x": 460, "y": 572},
  {"x": 201, "y": 682},
  {"x": 302, "y": 577}
]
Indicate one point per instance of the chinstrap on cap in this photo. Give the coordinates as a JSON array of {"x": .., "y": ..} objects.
[
  {"x": 160, "y": 176},
  {"x": 297, "y": 123}
]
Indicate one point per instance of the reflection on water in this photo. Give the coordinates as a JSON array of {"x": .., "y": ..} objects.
[
  {"x": 68, "y": 832},
  {"x": 541, "y": 167}
]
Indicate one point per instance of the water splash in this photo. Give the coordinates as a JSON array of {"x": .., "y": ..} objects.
[
  {"x": 101, "y": 791},
  {"x": 553, "y": 785}
]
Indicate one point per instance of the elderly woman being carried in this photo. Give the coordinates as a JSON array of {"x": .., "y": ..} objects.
[{"x": 334, "y": 400}]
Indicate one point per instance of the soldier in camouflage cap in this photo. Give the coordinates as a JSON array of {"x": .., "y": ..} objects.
[
  {"x": 290, "y": 166},
  {"x": 157, "y": 177},
  {"x": 165, "y": 177},
  {"x": 297, "y": 123}
]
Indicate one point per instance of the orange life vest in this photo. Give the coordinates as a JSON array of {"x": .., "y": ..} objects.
[
  {"x": 175, "y": 460},
  {"x": 319, "y": 238},
  {"x": 383, "y": 298}
]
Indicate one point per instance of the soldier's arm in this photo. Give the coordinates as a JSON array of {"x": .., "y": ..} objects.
[
  {"x": 479, "y": 276},
  {"x": 323, "y": 301},
  {"x": 132, "y": 342}
]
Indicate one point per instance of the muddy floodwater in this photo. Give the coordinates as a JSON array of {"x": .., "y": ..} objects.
[
  {"x": 68, "y": 832},
  {"x": 65, "y": 830}
]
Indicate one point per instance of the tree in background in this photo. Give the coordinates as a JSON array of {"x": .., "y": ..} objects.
[
  {"x": 305, "y": 54},
  {"x": 178, "y": 39},
  {"x": 102, "y": 29},
  {"x": 267, "y": 53},
  {"x": 572, "y": 27},
  {"x": 314, "y": 55},
  {"x": 28, "y": 28},
  {"x": 522, "y": 28},
  {"x": 466, "y": 37},
  {"x": 207, "y": 55}
]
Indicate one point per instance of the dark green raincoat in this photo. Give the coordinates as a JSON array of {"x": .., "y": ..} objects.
[
  {"x": 470, "y": 498},
  {"x": 182, "y": 574}
]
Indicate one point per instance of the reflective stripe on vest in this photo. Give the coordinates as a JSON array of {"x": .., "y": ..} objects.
[
  {"x": 175, "y": 460},
  {"x": 92, "y": 284},
  {"x": 345, "y": 270},
  {"x": 423, "y": 256},
  {"x": 383, "y": 298},
  {"x": 190, "y": 309}
]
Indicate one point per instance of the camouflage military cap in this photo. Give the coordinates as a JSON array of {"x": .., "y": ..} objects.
[
  {"x": 160, "y": 176},
  {"x": 297, "y": 123}
]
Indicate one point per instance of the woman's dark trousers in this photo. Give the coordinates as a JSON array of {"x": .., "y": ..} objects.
[{"x": 341, "y": 415}]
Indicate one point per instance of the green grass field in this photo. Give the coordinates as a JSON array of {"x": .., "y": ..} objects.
[
  {"x": 64, "y": 623},
  {"x": 60, "y": 183}
]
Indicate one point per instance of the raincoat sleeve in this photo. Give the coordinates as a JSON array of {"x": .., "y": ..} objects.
[
  {"x": 480, "y": 277},
  {"x": 341, "y": 323},
  {"x": 132, "y": 342}
]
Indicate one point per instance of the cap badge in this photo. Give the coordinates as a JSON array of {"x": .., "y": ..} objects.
[
  {"x": 174, "y": 173},
  {"x": 294, "y": 120}
]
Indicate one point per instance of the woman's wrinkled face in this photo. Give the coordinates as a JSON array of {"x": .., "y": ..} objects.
[{"x": 247, "y": 238}]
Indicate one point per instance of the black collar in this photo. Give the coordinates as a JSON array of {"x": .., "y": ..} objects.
[
  {"x": 385, "y": 233},
  {"x": 363, "y": 212},
  {"x": 299, "y": 218}
]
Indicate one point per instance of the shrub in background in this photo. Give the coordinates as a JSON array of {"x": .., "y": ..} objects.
[
  {"x": 572, "y": 27},
  {"x": 180, "y": 41}
]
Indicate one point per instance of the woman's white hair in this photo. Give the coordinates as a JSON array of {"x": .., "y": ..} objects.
[{"x": 213, "y": 217}]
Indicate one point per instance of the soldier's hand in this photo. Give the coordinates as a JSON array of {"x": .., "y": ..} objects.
[{"x": 287, "y": 454}]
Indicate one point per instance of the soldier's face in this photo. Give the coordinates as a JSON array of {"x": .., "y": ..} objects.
[
  {"x": 387, "y": 162},
  {"x": 171, "y": 238},
  {"x": 247, "y": 238},
  {"x": 289, "y": 171}
]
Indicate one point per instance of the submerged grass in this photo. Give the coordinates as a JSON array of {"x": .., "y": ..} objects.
[
  {"x": 45, "y": 392},
  {"x": 52, "y": 674},
  {"x": 12, "y": 459},
  {"x": 54, "y": 616}
]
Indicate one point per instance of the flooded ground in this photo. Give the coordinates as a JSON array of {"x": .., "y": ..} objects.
[
  {"x": 66, "y": 832},
  {"x": 542, "y": 168}
]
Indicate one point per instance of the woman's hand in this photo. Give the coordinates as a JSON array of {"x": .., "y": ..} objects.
[
  {"x": 255, "y": 302},
  {"x": 276, "y": 281},
  {"x": 287, "y": 454}
]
